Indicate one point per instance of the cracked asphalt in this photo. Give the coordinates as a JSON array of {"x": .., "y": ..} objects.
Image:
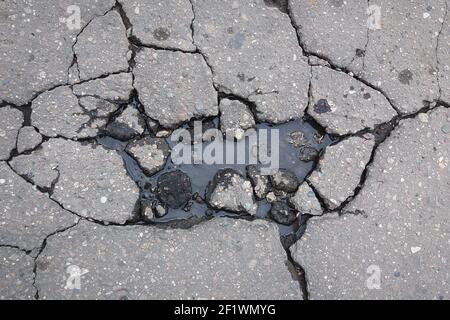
[{"x": 93, "y": 206}]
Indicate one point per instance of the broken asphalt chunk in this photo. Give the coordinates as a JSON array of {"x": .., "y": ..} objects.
[
  {"x": 10, "y": 123},
  {"x": 183, "y": 89},
  {"x": 340, "y": 169},
  {"x": 230, "y": 191},
  {"x": 150, "y": 153}
]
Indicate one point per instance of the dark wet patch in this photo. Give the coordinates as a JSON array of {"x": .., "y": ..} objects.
[
  {"x": 405, "y": 77},
  {"x": 322, "y": 106},
  {"x": 281, "y": 5},
  {"x": 161, "y": 34}
]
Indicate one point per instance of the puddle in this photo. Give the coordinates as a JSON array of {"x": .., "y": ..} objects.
[{"x": 293, "y": 136}]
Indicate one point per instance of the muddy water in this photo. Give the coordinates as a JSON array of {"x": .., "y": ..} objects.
[{"x": 202, "y": 174}]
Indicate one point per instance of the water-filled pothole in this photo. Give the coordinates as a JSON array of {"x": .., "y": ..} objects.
[{"x": 300, "y": 144}]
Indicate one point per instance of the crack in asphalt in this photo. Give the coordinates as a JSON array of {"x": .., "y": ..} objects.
[
  {"x": 75, "y": 58},
  {"x": 331, "y": 65},
  {"x": 438, "y": 39},
  {"x": 41, "y": 249}
]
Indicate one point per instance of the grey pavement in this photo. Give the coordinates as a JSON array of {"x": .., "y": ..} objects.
[{"x": 94, "y": 206}]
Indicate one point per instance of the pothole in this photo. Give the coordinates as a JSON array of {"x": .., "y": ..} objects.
[{"x": 300, "y": 143}]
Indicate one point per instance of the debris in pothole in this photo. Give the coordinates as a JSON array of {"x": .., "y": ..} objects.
[
  {"x": 102, "y": 47},
  {"x": 297, "y": 139},
  {"x": 183, "y": 89},
  {"x": 28, "y": 139},
  {"x": 174, "y": 189},
  {"x": 27, "y": 215},
  {"x": 235, "y": 118},
  {"x": 151, "y": 210},
  {"x": 150, "y": 153},
  {"x": 308, "y": 154},
  {"x": 260, "y": 182},
  {"x": 340, "y": 169},
  {"x": 282, "y": 213},
  {"x": 162, "y": 24},
  {"x": 230, "y": 191},
  {"x": 343, "y": 105},
  {"x": 10, "y": 122},
  {"x": 305, "y": 201},
  {"x": 80, "y": 181},
  {"x": 284, "y": 180},
  {"x": 127, "y": 125},
  {"x": 271, "y": 197},
  {"x": 269, "y": 71}
]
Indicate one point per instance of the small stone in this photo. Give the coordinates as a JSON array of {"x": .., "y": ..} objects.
[
  {"x": 271, "y": 197},
  {"x": 161, "y": 211},
  {"x": 150, "y": 153},
  {"x": 163, "y": 133},
  {"x": 28, "y": 139},
  {"x": 261, "y": 183},
  {"x": 103, "y": 199},
  {"x": 415, "y": 250},
  {"x": 174, "y": 189},
  {"x": 230, "y": 191},
  {"x": 284, "y": 180},
  {"x": 147, "y": 211},
  {"x": 282, "y": 213}
]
